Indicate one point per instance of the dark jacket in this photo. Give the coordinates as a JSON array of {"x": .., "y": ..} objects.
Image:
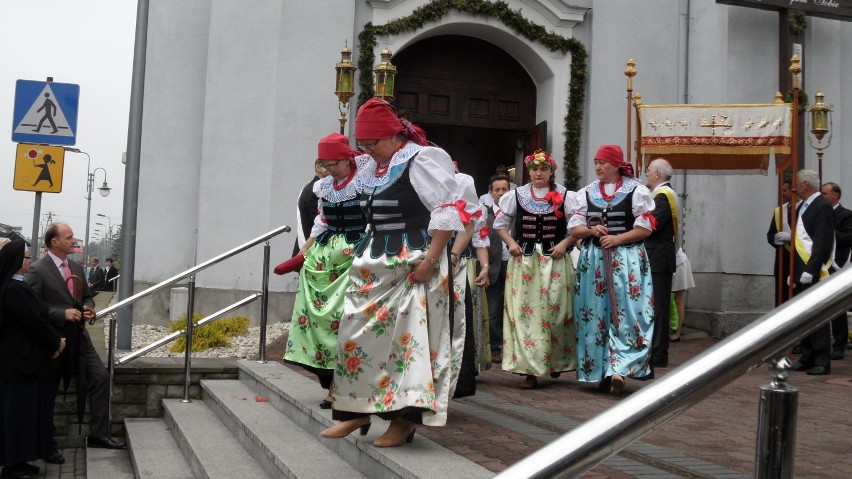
[
  {"x": 660, "y": 245},
  {"x": 842, "y": 234},
  {"x": 27, "y": 341},
  {"x": 818, "y": 222}
]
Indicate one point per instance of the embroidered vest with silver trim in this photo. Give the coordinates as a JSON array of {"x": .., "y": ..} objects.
[
  {"x": 343, "y": 217},
  {"x": 396, "y": 218},
  {"x": 545, "y": 228},
  {"x": 618, "y": 218}
]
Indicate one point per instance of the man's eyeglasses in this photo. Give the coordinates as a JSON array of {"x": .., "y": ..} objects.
[
  {"x": 27, "y": 257},
  {"x": 327, "y": 167},
  {"x": 368, "y": 146}
]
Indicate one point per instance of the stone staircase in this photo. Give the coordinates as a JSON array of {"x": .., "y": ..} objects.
[{"x": 266, "y": 424}]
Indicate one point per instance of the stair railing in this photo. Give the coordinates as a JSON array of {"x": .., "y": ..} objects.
[
  {"x": 191, "y": 273},
  {"x": 764, "y": 341}
]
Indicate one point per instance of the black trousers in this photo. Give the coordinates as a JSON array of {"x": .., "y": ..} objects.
[
  {"x": 466, "y": 385},
  {"x": 97, "y": 378},
  {"x": 815, "y": 347},
  {"x": 840, "y": 331},
  {"x": 662, "y": 283}
]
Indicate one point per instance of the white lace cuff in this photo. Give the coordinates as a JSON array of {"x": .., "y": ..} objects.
[{"x": 445, "y": 218}]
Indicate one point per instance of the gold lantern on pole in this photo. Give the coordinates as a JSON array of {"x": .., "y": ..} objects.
[
  {"x": 820, "y": 125},
  {"x": 345, "y": 83},
  {"x": 385, "y": 74}
]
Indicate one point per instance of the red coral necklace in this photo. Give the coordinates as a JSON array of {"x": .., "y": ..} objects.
[{"x": 611, "y": 197}]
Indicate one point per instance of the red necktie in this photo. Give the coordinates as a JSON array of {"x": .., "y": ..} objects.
[{"x": 67, "y": 273}]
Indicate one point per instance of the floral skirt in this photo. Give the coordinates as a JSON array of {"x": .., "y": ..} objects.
[
  {"x": 312, "y": 340},
  {"x": 606, "y": 347},
  {"x": 395, "y": 347},
  {"x": 538, "y": 325}
]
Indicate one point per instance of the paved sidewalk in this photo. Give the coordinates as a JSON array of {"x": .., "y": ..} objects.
[{"x": 502, "y": 424}]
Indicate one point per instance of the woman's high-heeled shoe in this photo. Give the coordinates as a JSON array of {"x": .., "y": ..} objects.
[
  {"x": 345, "y": 428},
  {"x": 399, "y": 432}
]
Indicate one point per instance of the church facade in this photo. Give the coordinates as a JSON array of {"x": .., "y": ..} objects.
[{"x": 237, "y": 94}]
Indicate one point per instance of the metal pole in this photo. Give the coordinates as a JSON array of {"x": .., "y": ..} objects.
[
  {"x": 35, "y": 247},
  {"x": 90, "y": 181},
  {"x": 131, "y": 174},
  {"x": 264, "y": 305},
  {"x": 776, "y": 427},
  {"x": 187, "y": 363},
  {"x": 111, "y": 369}
]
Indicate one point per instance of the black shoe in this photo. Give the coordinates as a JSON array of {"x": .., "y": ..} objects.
[
  {"x": 660, "y": 362},
  {"x": 837, "y": 355},
  {"x": 325, "y": 404},
  {"x": 818, "y": 371},
  {"x": 799, "y": 367},
  {"x": 104, "y": 442},
  {"x": 17, "y": 471},
  {"x": 27, "y": 467},
  {"x": 55, "y": 458}
]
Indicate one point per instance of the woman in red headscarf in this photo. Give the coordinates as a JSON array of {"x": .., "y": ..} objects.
[
  {"x": 328, "y": 252},
  {"x": 396, "y": 357},
  {"x": 614, "y": 305},
  {"x": 538, "y": 323}
]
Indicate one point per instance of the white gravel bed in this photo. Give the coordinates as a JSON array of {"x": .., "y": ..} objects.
[{"x": 242, "y": 347}]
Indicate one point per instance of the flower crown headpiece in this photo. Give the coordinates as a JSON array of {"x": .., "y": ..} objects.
[{"x": 538, "y": 158}]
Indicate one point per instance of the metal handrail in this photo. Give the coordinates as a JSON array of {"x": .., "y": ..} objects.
[
  {"x": 194, "y": 270},
  {"x": 263, "y": 295},
  {"x": 763, "y": 341}
]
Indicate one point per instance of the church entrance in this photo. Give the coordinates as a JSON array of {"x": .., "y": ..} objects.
[{"x": 472, "y": 99}]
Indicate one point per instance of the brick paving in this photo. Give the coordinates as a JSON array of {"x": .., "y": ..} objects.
[{"x": 716, "y": 438}]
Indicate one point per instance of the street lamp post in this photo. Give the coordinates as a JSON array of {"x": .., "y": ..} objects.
[
  {"x": 90, "y": 183},
  {"x": 109, "y": 230}
]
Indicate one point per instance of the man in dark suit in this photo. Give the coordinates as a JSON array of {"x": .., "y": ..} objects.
[
  {"x": 843, "y": 244},
  {"x": 814, "y": 245},
  {"x": 49, "y": 278},
  {"x": 660, "y": 246},
  {"x": 96, "y": 276},
  {"x": 110, "y": 272},
  {"x": 498, "y": 259},
  {"x": 778, "y": 236}
]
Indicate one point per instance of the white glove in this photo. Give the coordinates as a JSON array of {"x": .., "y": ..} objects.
[
  {"x": 806, "y": 278},
  {"x": 782, "y": 237}
]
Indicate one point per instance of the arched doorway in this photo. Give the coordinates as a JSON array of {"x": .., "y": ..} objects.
[{"x": 471, "y": 97}]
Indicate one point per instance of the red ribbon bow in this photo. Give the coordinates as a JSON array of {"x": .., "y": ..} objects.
[
  {"x": 555, "y": 199},
  {"x": 463, "y": 215},
  {"x": 483, "y": 233}
]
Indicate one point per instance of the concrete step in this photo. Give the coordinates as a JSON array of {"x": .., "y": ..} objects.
[
  {"x": 154, "y": 453},
  {"x": 111, "y": 463},
  {"x": 213, "y": 452},
  {"x": 297, "y": 397},
  {"x": 270, "y": 437}
]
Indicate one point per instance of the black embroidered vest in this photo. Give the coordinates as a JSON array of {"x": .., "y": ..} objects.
[
  {"x": 532, "y": 228},
  {"x": 618, "y": 218},
  {"x": 344, "y": 217},
  {"x": 396, "y": 217}
]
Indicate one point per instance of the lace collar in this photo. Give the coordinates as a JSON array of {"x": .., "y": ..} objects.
[
  {"x": 533, "y": 205},
  {"x": 325, "y": 190},
  {"x": 627, "y": 187},
  {"x": 366, "y": 178}
]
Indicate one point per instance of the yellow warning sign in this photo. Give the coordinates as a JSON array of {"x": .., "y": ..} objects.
[{"x": 39, "y": 168}]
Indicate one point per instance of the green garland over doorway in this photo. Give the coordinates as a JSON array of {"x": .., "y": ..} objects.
[{"x": 437, "y": 9}]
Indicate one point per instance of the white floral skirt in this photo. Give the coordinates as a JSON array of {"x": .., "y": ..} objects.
[{"x": 394, "y": 343}]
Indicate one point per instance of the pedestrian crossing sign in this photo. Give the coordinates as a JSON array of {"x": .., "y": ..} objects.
[
  {"x": 45, "y": 112},
  {"x": 39, "y": 168}
]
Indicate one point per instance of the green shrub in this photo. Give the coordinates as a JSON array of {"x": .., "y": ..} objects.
[{"x": 214, "y": 335}]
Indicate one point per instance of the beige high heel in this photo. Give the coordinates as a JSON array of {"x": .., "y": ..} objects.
[
  {"x": 399, "y": 432},
  {"x": 345, "y": 428}
]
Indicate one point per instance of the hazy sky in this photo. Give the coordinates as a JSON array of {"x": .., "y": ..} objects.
[{"x": 85, "y": 42}]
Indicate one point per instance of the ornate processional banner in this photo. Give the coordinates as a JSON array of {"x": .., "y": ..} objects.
[{"x": 715, "y": 137}]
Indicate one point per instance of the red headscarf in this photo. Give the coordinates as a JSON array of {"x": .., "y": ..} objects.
[
  {"x": 613, "y": 155},
  {"x": 376, "y": 120},
  {"x": 334, "y": 147}
]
